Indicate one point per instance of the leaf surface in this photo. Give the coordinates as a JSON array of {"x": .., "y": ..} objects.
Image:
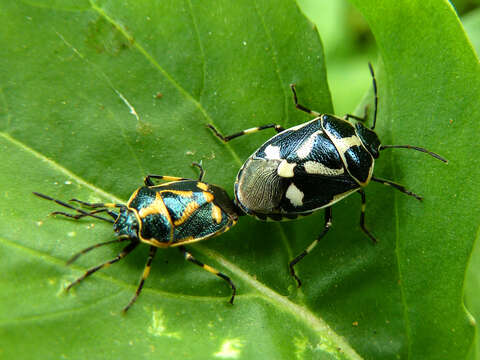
[{"x": 95, "y": 95}]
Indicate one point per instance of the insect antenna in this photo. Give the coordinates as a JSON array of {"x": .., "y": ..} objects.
[
  {"x": 436, "y": 156},
  {"x": 375, "y": 94},
  {"x": 82, "y": 213}
]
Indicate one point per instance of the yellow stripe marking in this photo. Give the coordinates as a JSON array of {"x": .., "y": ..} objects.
[
  {"x": 216, "y": 213},
  {"x": 134, "y": 195},
  {"x": 171, "y": 178},
  {"x": 208, "y": 197},
  {"x": 110, "y": 205},
  {"x": 189, "y": 210},
  {"x": 156, "y": 207},
  {"x": 179, "y": 192},
  {"x": 202, "y": 186},
  {"x": 156, "y": 243}
]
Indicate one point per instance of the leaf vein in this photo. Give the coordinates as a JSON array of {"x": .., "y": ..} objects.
[
  {"x": 162, "y": 71},
  {"x": 202, "y": 51},
  {"x": 122, "y": 97},
  {"x": 319, "y": 325},
  {"x": 59, "y": 168}
]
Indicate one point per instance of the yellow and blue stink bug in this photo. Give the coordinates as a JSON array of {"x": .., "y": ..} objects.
[{"x": 172, "y": 214}]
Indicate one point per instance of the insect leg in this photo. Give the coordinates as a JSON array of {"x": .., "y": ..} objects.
[
  {"x": 88, "y": 249},
  {"x": 299, "y": 106},
  {"x": 202, "y": 171},
  {"x": 398, "y": 187},
  {"x": 189, "y": 257},
  {"x": 364, "y": 118},
  {"x": 277, "y": 128},
  {"x": 328, "y": 224},
  {"x": 375, "y": 93},
  {"x": 126, "y": 250},
  {"x": 148, "y": 179},
  {"x": 362, "y": 217},
  {"x": 146, "y": 272}
]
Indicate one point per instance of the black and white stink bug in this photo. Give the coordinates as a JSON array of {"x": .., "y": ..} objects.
[
  {"x": 172, "y": 214},
  {"x": 309, "y": 167}
]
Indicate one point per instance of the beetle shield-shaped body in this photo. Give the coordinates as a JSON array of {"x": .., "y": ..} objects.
[
  {"x": 179, "y": 212},
  {"x": 305, "y": 168}
]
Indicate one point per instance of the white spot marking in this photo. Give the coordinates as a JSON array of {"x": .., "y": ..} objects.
[
  {"x": 71, "y": 234},
  {"x": 313, "y": 167},
  {"x": 285, "y": 169},
  {"x": 68, "y": 182},
  {"x": 294, "y": 195},
  {"x": 346, "y": 143},
  {"x": 307, "y": 145},
  {"x": 272, "y": 152},
  {"x": 230, "y": 349}
]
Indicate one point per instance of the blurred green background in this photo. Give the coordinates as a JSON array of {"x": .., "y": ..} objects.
[{"x": 349, "y": 45}]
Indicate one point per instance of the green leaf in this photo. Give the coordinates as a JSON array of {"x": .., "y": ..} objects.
[
  {"x": 472, "y": 282},
  {"x": 95, "y": 95},
  {"x": 432, "y": 81}
]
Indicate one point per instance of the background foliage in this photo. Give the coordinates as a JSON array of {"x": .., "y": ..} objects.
[{"x": 96, "y": 94}]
